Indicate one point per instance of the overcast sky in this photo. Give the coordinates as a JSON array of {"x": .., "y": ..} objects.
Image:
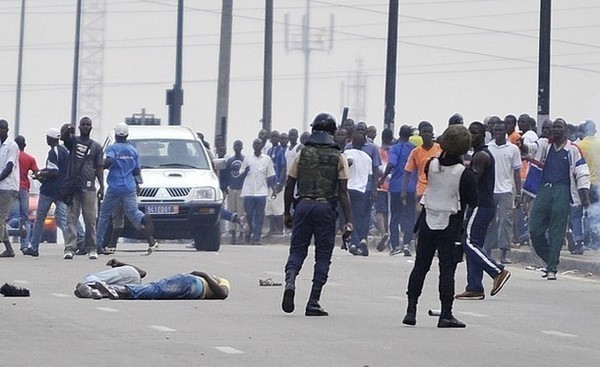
[{"x": 476, "y": 57}]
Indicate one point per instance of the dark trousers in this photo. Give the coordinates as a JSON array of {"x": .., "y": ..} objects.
[
  {"x": 428, "y": 242},
  {"x": 313, "y": 218},
  {"x": 360, "y": 216},
  {"x": 478, "y": 221},
  {"x": 402, "y": 215},
  {"x": 255, "y": 214}
]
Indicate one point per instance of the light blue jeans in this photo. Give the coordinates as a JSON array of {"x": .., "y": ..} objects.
[
  {"x": 179, "y": 286},
  {"x": 109, "y": 204}
]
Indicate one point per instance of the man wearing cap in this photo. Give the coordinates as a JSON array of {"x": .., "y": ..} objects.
[
  {"x": 124, "y": 176},
  {"x": 86, "y": 164},
  {"x": 52, "y": 177},
  {"x": 9, "y": 182},
  {"x": 27, "y": 163}
]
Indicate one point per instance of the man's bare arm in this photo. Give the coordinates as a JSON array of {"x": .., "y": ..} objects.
[{"x": 114, "y": 263}]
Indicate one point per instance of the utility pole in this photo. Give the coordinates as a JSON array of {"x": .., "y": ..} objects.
[
  {"x": 175, "y": 95},
  {"x": 268, "y": 67},
  {"x": 310, "y": 41},
  {"x": 20, "y": 70},
  {"x": 543, "y": 102},
  {"x": 390, "y": 67},
  {"x": 76, "y": 65},
  {"x": 224, "y": 71}
]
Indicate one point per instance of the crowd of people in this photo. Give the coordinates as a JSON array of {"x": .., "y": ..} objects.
[{"x": 480, "y": 190}]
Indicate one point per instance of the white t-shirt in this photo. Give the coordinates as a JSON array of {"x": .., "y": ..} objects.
[
  {"x": 261, "y": 168},
  {"x": 507, "y": 159},
  {"x": 120, "y": 275},
  {"x": 9, "y": 152},
  {"x": 291, "y": 154},
  {"x": 360, "y": 169},
  {"x": 529, "y": 137}
]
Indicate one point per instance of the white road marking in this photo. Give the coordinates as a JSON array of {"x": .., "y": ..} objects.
[
  {"x": 396, "y": 297},
  {"x": 273, "y": 273},
  {"x": 228, "y": 350},
  {"x": 162, "y": 328},
  {"x": 474, "y": 314},
  {"x": 22, "y": 281},
  {"x": 107, "y": 309},
  {"x": 62, "y": 295},
  {"x": 558, "y": 333}
]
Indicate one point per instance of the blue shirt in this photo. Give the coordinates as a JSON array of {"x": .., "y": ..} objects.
[
  {"x": 277, "y": 155},
  {"x": 398, "y": 156},
  {"x": 232, "y": 177},
  {"x": 556, "y": 167},
  {"x": 120, "y": 175}
]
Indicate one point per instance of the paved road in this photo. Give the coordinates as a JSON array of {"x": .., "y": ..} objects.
[{"x": 531, "y": 322}]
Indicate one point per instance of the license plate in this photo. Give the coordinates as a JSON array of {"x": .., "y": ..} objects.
[{"x": 162, "y": 209}]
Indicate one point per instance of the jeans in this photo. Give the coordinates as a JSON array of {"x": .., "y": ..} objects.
[
  {"x": 313, "y": 218},
  {"x": 550, "y": 214},
  {"x": 360, "y": 216},
  {"x": 255, "y": 214},
  {"x": 179, "y": 286},
  {"x": 500, "y": 232},
  {"x": 112, "y": 201},
  {"x": 23, "y": 203},
  {"x": 403, "y": 215},
  {"x": 478, "y": 221},
  {"x": 576, "y": 222},
  {"x": 44, "y": 203},
  {"x": 60, "y": 213},
  {"x": 86, "y": 204}
]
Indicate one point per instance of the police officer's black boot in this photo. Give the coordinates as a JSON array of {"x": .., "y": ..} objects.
[
  {"x": 411, "y": 313},
  {"x": 313, "y": 308},
  {"x": 287, "y": 305},
  {"x": 446, "y": 319}
]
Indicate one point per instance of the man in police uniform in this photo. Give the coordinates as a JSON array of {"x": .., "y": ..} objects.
[{"x": 321, "y": 172}]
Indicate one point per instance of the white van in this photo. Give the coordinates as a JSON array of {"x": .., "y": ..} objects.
[{"x": 180, "y": 190}]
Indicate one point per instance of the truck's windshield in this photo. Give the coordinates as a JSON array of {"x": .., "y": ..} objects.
[{"x": 158, "y": 153}]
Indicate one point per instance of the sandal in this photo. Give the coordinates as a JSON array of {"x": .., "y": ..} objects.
[{"x": 268, "y": 282}]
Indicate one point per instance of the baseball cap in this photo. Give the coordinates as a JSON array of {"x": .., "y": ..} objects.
[
  {"x": 121, "y": 129},
  {"x": 53, "y": 133}
]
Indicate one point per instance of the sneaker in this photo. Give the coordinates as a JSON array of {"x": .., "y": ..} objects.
[
  {"x": 468, "y": 295},
  {"x": 354, "y": 250},
  {"x": 499, "y": 281},
  {"x": 31, "y": 252},
  {"x": 551, "y": 275},
  {"x": 364, "y": 248},
  {"x": 395, "y": 251},
  {"x": 406, "y": 251},
  {"x": 81, "y": 252},
  {"x": 382, "y": 242},
  {"x": 105, "y": 290},
  {"x": 68, "y": 256},
  {"x": 93, "y": 255}
]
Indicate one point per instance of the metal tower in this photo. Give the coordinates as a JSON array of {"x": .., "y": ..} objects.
[{"x": 91, "y": 67}]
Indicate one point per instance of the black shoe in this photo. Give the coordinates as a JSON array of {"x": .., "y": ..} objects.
[
  {"x": 287, "y": 305},
  {"x": 314, "y": 309},
  {"x": 30, "y": 252},
  {"x": 450, "y": 322},
  {"x": 410, "y": 319},
  {"x": 80, "y": 252}
]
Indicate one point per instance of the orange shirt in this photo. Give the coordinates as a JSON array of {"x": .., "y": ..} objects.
[
  {"x": 417, "y": 160},
  {"x": 514, "y": 137}
]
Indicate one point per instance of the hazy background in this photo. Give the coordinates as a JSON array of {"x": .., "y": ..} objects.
[{"x": 476, "y": 57}]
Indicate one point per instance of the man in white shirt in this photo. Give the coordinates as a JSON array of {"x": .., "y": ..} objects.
[
  {"x": 9, "y": 182},
  {"x": 360, "y": 169},
  {"x": 507, "y": 181},
  {"x": 293, "y": 150},
  {"x": 260, "y": 176}
]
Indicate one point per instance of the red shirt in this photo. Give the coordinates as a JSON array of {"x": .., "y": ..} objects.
[{"x": 26, "y": 163}]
